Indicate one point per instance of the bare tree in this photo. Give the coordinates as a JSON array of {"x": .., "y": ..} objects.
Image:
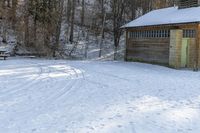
[
  {"x": 58, "y": 25},
  {"x": 71, "y": 38},
  {"x": 83, "y": 13},
  {"x": 102, "y": 36},
  {"x": 117, "y": 7}
]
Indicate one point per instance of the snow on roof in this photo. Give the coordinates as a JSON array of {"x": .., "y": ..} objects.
[{"x": 171, "y": 15}]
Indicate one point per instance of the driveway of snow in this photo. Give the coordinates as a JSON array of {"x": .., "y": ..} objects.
[{"x": 49, "y": 96}]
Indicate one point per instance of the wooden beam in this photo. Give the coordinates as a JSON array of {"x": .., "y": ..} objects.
[
  {"x": 197, "y": 48},
  {"x": 166, "y": 26},
  {"x": 126, "y": 54}
]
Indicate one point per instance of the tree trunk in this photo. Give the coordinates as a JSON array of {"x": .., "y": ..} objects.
[
  {"x": 69, "y": 10},
  {"x": 102, "y": 35},
  {"x": 71, "y": 38},
  {"x": 4, "y": 36},
  {"x": 83, "y": 14},
  {"x": 13, "y": 12},
  {"x": 58, "y": 27},
  {"x": 4, "y": 21},
  {"x": 115, "y": 52},
  {"x": 26, "y": 22}
]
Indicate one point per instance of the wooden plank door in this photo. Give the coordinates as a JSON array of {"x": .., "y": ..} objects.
[{"x": 184, "y": 52}]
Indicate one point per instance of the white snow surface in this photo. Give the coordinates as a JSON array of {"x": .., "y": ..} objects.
[
  {"x": 59, "y": 96},
  {"x": 170, "y": 15}
]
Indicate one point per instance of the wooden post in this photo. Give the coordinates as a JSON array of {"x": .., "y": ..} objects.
[
  {"x": 126, "y": 54},
  {"x": 197, "y": 65}
]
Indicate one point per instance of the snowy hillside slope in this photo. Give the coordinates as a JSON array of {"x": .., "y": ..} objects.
[
  {"x": 11, "y": 44},
  {"x": 58, "y": 96},
  {"x": 89, "y": 45},
  {"x": 90, "y": 40},
  {"x": 82, "y": 36}
]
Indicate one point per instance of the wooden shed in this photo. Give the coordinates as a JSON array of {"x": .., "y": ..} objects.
[{"x": 168, "y": 36}]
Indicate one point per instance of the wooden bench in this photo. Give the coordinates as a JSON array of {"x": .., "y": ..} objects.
[{"x": 3, "y": 54}]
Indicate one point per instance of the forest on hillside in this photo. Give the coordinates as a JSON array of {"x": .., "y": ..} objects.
[{"x": 67, "y": 28}]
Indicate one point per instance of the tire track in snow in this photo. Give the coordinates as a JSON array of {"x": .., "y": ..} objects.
[
  {"x": 69, "y": 87},
  {"x": 21, "y": 87},
  {"x": 34, "y": 81},
  {"x": 47, "y": 104}
]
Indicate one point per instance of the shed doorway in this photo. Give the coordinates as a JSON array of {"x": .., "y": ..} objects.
[{"x": 185, "y": 52}]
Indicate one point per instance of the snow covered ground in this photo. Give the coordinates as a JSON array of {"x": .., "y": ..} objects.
[{"x": 58, "y": 96}]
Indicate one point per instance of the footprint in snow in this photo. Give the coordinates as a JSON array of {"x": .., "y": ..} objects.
[
  {"x": 33, "y": 130},
  {"x": 118, "y": 115},
  {"x": 158, "y": 113},
  {"x": 89, "y": 127},
  {"x": 164, "y": 109},
  {"x": 110, "y": 118},
  {"x": 180, "y": 130},
  {"x": 119, "y": 126},
  {"x": 101, "y": 118},
  {"x": 129, "y": 110},
  {"x": 131, "y": 123},
  {"x": 62, "y": 131},
  {"x": 102, "y": 125},
  {"x": 189, "y": 129}
]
